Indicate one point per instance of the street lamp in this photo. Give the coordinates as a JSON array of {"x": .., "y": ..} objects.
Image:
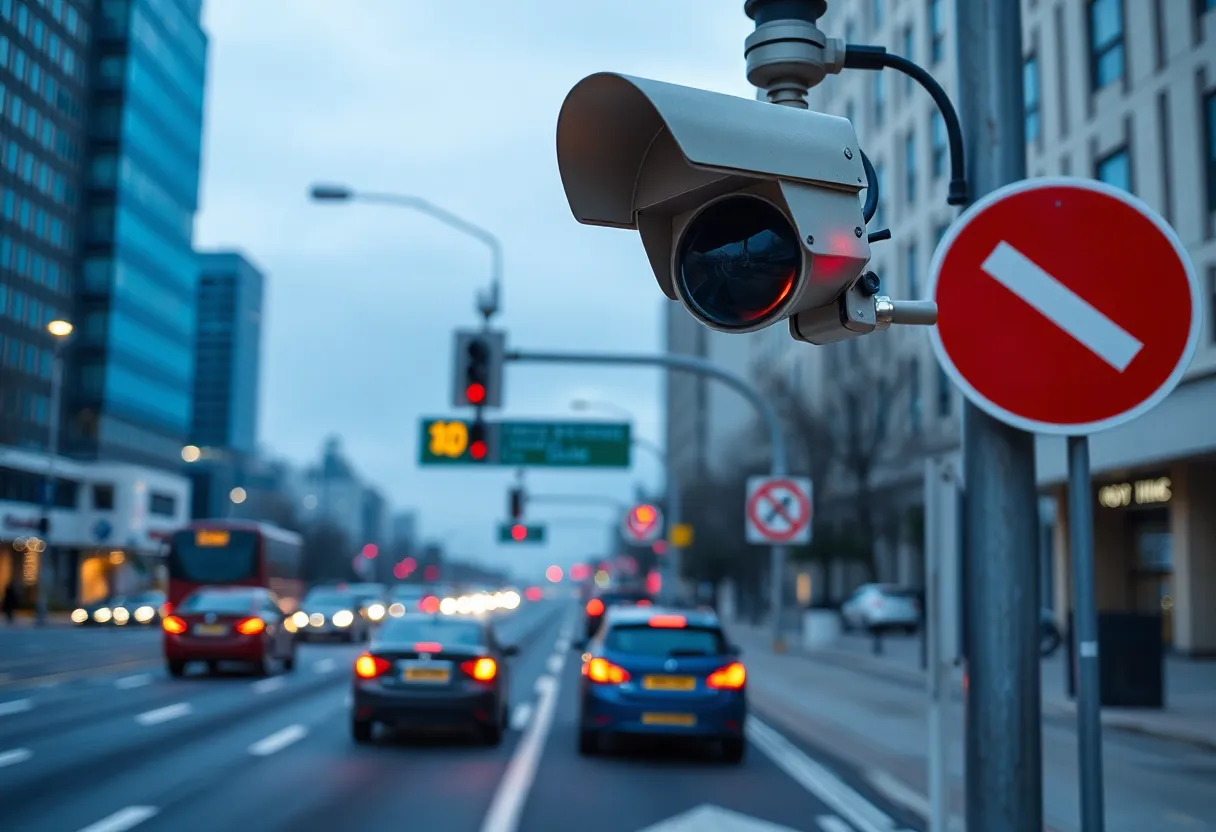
[
  {"x": 192, "y": 453},
  {"x": 61, "y": 331},
  {"x": 488, "y": 302}
]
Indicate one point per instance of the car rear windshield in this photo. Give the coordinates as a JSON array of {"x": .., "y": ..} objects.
[
  {"x": 329, "y": 596},
  {"x": 643, "y": 640},
  {"x": 213, "y": 556},
  {"x": 234, "y": 603},
  {"x": 620, "y": 599},
  {"x": 408, "y": 631}
]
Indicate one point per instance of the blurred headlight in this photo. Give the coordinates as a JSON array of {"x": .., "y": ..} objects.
[
  {"x": 448, "y": 606},
  {"x": 375, "y": 612},
  {"x": 316, "y": 619},
  {"x": 80, "y": 616},
  {"x": 396, "y": 609},
  {"x": 145, "y": 614},
  {"x": 510, "y": 600},
  {"x": 300, "y": 618},
  {"x": 289, "y": 624},
  {"x": 121, "y": 615},
  {"x": 343, "y": 618},
  {"x": 102, "y": 615}
]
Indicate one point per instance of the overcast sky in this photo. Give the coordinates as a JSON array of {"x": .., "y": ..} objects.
[{"x": 455, "y": 101}]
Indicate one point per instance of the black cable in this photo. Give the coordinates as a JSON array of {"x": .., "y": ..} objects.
[
  {"x": 871, "y": 206},
  {"x": 859, "y": 56}
]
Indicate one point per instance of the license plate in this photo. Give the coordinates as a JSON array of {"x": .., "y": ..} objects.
[
  {"x": 669, "y": 683},
  {"x": 428, "y": 675},
  {"x": 210, "y": 630},
  {"x": 680, "y": 720}
]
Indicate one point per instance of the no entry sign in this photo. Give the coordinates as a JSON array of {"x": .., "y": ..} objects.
[
  {"x": 643, "y": 524},
  {"x": 778, "y": 510},
  {"x": 1065, "y": 306}
]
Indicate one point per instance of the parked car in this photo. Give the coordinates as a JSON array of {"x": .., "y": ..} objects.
[{"x": 882, "y": 608}]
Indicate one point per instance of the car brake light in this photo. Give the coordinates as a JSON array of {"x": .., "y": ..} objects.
[
  {"x": 428, "y": 647},
  {"x": 731, "y": 677},
  {"x": 595, "y": 607},
  {"x": 250, "y": 626},
  {"x": 174, "y": 625},
  {"x": 429, "y": 604},
  {"x": 604, "y": 672},
  {"x": 672, "y": 621},
  {"x": 643, "y": 603},
  {"x": 368, "y": 666},
  {"x": 483, "y": 669}
]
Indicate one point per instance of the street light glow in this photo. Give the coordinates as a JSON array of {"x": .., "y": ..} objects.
[
  {"x": 237, "y": 495},
  {"x": 192, "y": 453},
  {"x": 60, "y": 329}
]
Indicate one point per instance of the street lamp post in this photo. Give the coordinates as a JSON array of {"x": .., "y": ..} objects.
[
  {"x": 61, "y": 331},
  {"x": 489, "y": 302}
]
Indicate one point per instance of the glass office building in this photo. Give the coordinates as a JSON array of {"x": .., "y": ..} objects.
[{"x": 132, "y": 385}]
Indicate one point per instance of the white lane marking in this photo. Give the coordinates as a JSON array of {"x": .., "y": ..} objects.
[
  {"x": 267, "y": 685},
  {"x": 14, "y": 756},
  {"x": 137, "y": 681},
  {"x": 278, "y": 740},
  {"x": 555, "y": 662},
  {"x": 516, "y": 782},
  {"x": 830, "y": 789},
  {"x": 831, "y": 823},
  {"x": 1063, "y": 307},
  {"x": 904, "y": 795},
  {"x": 544, "y": 683},
  {"x": 520, "y": 716},
  {"x": 323, "y": 665},
  {"x": 123, "y": 819},
  {"x": 156, "y": 717},
  {"x": 16, "y": 706}
]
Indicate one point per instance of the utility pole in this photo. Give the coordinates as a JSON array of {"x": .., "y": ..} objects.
[{"x": 1004, "y": 778}]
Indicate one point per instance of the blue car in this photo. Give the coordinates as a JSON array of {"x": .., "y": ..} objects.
[{"x": 665, "y": 673}]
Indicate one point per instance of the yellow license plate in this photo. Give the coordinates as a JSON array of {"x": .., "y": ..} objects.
[
  {"x": 669, "y": 683},
  {"x": 427, "y": 674},
  {"x": 681, "y": 720},
  {"x": 210, "y": 630}
]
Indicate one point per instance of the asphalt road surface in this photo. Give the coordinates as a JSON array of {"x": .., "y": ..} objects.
[{"x": 95, "y": 737}]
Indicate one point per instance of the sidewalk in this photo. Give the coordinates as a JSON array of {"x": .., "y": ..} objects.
[
  {"x": 872, "y": 712},
  {"x": 24, "y": 619}
]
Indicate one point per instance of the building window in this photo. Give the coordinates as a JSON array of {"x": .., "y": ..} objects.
[
  {"x": 880, "y": 99},
  {"x": 910, "y": 54},
  {"x": 914, "y": 407},
  {"x": 103, "y": 497},
  {"x": 940, "y": 147},
  {"x": 1115, "y": 168},
  {"x": 880, "y": 177},
  {"x": 945, "y": 393},
  {"x": 1030, "y": 85},
  {"x": 937, "y": 31},
  {"x": 1105, "y": 42},
  {"x": 910, "y": 167},
  {"x": 162, "y": 505},
  {"x": 912, "y": 267},
  {"x": 1212, "y": 304},
  {"x": 1210, "y": 129},
  {"x": 876, "y": 13}
]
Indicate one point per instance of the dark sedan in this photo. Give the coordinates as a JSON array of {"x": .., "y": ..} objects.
[{"x": 432, "y": 672}]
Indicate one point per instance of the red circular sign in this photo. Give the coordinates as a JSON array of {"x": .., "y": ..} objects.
[
  {"x": 1065, "y": 306},
  {"x": 785, "y": 505}
]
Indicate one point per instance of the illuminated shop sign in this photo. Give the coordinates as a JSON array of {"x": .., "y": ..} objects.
[{"x": 1152, "y": 492}]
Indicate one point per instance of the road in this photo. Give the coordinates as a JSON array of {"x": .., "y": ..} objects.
[{"x": 95, "y": 737}]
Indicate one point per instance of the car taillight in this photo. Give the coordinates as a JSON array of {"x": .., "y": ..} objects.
[
  {"x": 483, "y": 669},
  {"x": 429, "y": 604},
  {"x": 368, "y": 666},
  {"x": 668, "y": 621},
  {"x": 731, "y": 677},
  {"x": 428, "y": 647},
  {"x": 174, "y": 625},
  {"x": 604, "y": 672},
  {"x": 595, "y": 607},
  {"x": 643, "y": 603},
  {"x": 250, "y": 626}
]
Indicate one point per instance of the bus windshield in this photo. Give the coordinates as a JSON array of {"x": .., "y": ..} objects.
[{"x": 213, "y": 556}]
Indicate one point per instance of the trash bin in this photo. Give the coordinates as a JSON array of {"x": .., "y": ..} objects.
[{"x": 1131, "y": 660}]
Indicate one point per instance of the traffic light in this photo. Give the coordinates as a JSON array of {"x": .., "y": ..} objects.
[
  {"x": 520, "y": 533},
  {"x": 515, "y": 503},
  {"x": 750, "y": 212},
  {"x": 478, "y": 375},
  {"x": 479, "y": 444}
]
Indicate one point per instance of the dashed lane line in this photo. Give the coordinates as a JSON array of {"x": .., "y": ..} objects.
[
  {"x": 15, "y": 706},
  {"x": 278, "y": 740},
  {"x": 14, "y": 756},
  {"x": 520, "y": 716},
  {"x": 123, "y": 819},
  {"x": 156, "y": 717}
]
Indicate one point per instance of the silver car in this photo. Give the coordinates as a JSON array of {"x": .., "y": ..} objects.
[
  {"x": 333, "y": 613},
  {"x": 880, "y": 607}
]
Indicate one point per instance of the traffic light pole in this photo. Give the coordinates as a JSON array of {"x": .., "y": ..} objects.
[{"x": 766, "y": 411}]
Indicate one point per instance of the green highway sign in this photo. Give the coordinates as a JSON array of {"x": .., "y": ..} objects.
[
  {"x": 564, "y": 444},
  {"x": 525, "y": 444},
  {"x": 519, "y": 533}
]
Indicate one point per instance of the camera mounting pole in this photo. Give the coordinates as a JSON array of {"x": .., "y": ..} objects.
[{"x": 787, "y": 55}]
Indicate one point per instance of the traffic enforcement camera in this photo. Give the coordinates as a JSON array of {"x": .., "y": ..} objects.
[
  {"x": 750, "y": 212},
  {"x": 478, "y": 369}
]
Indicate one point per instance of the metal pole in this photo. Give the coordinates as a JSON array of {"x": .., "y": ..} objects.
[
  {"x": 671, "y": 560},
  {"x": 1085, "y": 627},
  {"x": 1003, "y": 699},
  {"x": 45, "y": 557},
  {"x": 701, "y": 366}
]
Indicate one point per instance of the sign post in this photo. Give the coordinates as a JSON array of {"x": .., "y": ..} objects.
[{"x": 1092, "y": 313}]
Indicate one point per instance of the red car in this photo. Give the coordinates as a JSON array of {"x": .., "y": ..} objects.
[{"x": 229, "y": 624}]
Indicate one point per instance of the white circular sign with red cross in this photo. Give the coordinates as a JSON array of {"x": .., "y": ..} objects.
[
  {"x": 1065, "y": 306},
  {"x": 778, "y": 510}
]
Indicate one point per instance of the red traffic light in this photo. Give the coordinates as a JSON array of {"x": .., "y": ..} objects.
[
  {"x": 478, "y": 449},
  {"x": 400, "y": 572},
  {"x": 431, "y": 573},
  {"x": 554, "y": 573},
  {"x": 519, "y": 532},
  {"x": 475, "y": 393},
  {"x": 371, "y": 550}
]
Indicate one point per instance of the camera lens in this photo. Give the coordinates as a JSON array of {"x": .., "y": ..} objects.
[{"x": 738, "y": 261}]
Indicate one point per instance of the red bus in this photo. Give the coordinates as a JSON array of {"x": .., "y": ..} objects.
[{"x": 236, "y": 553}]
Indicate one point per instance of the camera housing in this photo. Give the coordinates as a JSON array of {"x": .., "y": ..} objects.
[{"x": 749, "y": 212}]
